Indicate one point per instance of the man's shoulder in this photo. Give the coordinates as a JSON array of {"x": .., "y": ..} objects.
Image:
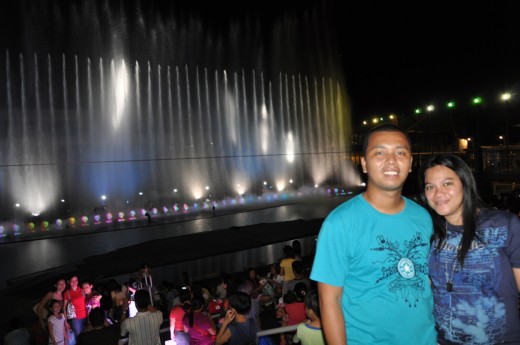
[{"x": 353, "y": 204}]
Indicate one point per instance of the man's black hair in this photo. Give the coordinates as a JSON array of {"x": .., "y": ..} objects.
[
  {"x": 385, "y": 127},
  {"x": 142, "y": 299},
  {"x": 96, "y": 317}
]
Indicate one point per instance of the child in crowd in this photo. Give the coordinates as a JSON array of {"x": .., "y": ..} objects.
[
  {"x": 58, "y": 326},
  {"x": 310, "y": 332},
  {"x": 292, "y": 312}
]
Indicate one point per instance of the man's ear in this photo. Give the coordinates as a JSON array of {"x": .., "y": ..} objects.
[{"x": 364, "y": 164}]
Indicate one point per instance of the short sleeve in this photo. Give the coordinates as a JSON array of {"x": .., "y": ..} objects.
[
  {"x": 296, "y": 337},
  {"x": 330, "y": 263},
  {"x": 124, "y": 329}
]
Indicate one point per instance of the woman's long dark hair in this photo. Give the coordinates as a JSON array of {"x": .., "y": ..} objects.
[
  {"x": 471, "y": 202},
  {"x": 196, "y": 303}
]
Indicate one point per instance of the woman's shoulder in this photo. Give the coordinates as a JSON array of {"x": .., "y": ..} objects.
[{"x": 492, "y": 216}]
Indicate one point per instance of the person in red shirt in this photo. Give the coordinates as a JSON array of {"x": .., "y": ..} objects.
[
  {"x": 76, "y": 296},
  {"x": 293, "y": 310},
  {"x": 177, "y": 313}
]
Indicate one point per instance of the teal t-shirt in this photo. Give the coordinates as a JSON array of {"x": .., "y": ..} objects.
[{"x": 381, "y": 261}]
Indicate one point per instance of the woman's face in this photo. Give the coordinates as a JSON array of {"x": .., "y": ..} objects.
[
  {"x": 252, "y": 274},
  {"x": 87, "y": 288},
  {"x": 73, "y": 282},
  {"x": 61, "y": 285},
  {"x": 445, "y": 194}
]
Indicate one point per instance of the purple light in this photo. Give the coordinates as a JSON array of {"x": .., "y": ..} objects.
[
  {"x": 97, "y": 218},
  {"x": 165, "y": 209},
  {"x": 154, "y": 210}
]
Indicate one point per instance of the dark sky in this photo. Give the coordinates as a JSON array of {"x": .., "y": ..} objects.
[
  {"x": 395, "y": 55},
  {"x": 399, "y": 55}
]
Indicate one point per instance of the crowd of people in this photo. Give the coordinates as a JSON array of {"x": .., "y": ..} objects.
[
  {"x": 440, "y": 268},
  {"x": 230, "y": 310}
]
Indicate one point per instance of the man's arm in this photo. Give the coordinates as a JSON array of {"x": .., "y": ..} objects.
[{"x": 332, "y": 319}]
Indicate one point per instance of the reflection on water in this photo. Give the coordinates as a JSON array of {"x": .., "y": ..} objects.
[{"x": 23, "y": 258}]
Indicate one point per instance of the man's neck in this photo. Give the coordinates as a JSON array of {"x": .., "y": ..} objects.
[
  {"x": 240, "y": 318},
  {"x": 388, "y": 202}
]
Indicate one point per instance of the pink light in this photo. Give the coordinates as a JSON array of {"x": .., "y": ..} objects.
[
  {"x": 154, "y": 210},
  {"x": 109, "y": 217}
]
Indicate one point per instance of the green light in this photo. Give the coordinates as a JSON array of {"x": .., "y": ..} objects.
[
  {"x": 477, "y": 100},
  {"x": 450, "y": 104},
  {"x": 418, "y": 111}
]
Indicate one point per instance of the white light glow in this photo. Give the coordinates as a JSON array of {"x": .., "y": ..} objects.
[
  {"x": 290, "y": 147},
  {"x": 121, "y": 94},
  {"x": 280, "y": 185}
]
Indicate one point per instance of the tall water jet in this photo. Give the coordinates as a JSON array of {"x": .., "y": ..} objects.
[{"x": 146, "y": 107}]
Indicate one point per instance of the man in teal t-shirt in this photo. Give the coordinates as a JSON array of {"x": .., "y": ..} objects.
[{"x": 371, "y": 259}]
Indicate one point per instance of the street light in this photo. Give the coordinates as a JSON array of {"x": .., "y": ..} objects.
[{"x": 506, "y": 97}]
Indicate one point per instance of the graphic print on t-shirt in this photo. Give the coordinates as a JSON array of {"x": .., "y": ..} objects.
[{"x": 405, "y": 266}]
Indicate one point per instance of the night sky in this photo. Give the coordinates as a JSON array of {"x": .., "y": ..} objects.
[
  {"x": 402, "y": 55},
  {"x": 395, "y": 56}
]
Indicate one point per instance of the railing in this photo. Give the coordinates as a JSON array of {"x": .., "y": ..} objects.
[{"x": 258, "y": 335}]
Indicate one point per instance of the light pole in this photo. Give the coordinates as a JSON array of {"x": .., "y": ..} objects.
[
  {"x": 430, "y": 108},
  {"x": 477, "y": 101},
  {"x": 17, "y": 206}
]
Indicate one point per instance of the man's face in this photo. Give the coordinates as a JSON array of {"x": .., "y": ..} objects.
[{"x": 387, "y": 161}]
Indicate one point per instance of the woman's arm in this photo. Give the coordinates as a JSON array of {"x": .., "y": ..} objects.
[
  {"x": 516, "y": 272},
  {"x": 172, "y": 328},
  {"x": 43, "y": 302}
]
